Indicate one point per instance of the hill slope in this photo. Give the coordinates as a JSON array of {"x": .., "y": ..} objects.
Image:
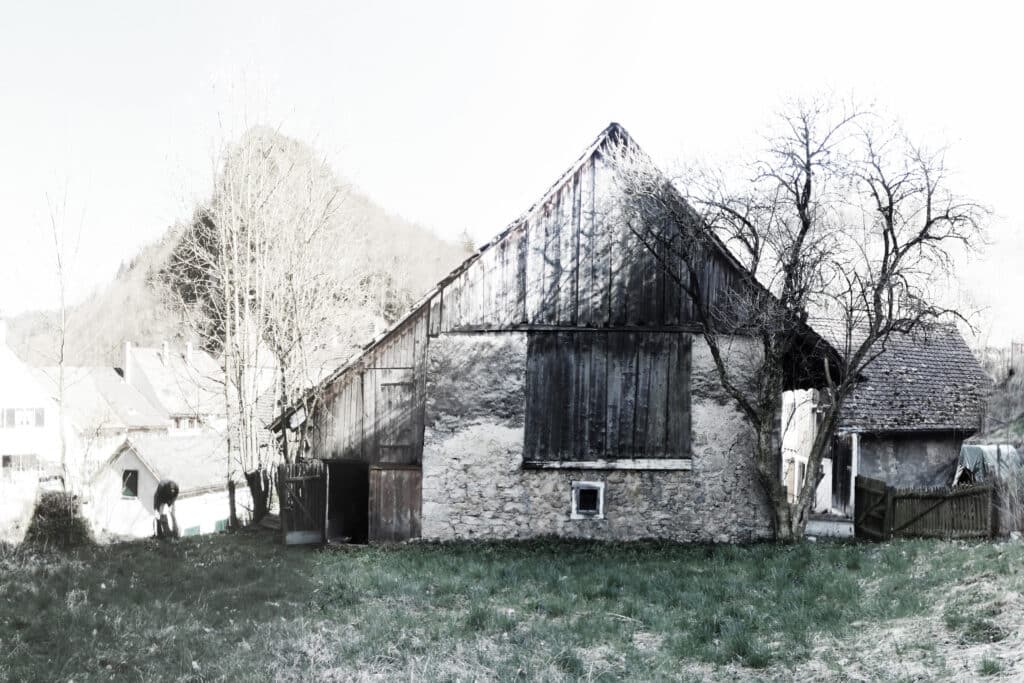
[{"x": 406, "y": 260}]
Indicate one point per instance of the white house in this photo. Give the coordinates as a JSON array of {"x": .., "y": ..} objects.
[
  {"x": 187, "y": 386},
  {"x": 29, "y": 440},
  {"x": 124, "y": 488}
]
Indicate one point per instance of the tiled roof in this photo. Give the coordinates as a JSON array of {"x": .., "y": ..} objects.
[
  {"x": 195, "y": 462},
  {"x": 178, "y": 385},
  {"x": 923, "y": 381},
  {"x": 97, "y": 397}
]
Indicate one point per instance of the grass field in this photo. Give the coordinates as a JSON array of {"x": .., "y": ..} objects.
[{"x": 242, "y": 607}]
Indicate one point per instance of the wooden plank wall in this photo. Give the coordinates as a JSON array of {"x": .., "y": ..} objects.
[
  {"x": 395, "y": 501},
  {"x": 570, "y": 265},
  {"x": 374, "y": 412},
  {"x": 608, "y": 395}
]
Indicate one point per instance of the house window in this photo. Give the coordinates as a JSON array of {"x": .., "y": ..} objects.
[
  {"x": 19, "y": 463},
  {"x": 587, "y": 500},
  {"x": 130, "y": 483},
  {"x": 22, "y": 417},
  {"x": 598, "y": 396}
]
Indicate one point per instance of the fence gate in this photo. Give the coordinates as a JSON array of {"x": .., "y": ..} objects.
[
  {"x": 884, "y": 512},
  {"x": 302, "y": 490}
]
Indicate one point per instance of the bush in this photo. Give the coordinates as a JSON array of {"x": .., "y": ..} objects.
[
  {"x": 1010, "y": 502},
  {"x": 58, "y": 522}
]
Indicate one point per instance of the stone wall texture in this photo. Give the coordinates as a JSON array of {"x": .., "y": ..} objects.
[
  {"x": 474, "y": 486},
  {"x": 925, "y": 459}
]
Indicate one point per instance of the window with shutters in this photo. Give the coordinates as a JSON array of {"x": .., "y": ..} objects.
[{"x": 608, "y": 398}]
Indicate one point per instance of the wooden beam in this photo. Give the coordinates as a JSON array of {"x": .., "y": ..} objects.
[{"x": 641, "y": 464}]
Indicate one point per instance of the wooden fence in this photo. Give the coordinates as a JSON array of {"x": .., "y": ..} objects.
[
  {"x": 302, "y": 492},
  {"x": 883, "y": 512}
]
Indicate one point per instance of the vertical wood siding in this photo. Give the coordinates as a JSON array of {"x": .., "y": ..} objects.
[
  {"x": 607, "y": 395},
  {"x": 374, "y": 412},
  {"x": 395, "y": 497},
  {"x": 568, "y": 264}
]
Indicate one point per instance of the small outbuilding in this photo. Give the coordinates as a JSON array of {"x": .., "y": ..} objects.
[{"x": 904, "y": 424}]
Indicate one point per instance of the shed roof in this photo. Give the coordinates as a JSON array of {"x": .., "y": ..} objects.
[
  {"x": 927, "y": 380},
  {"x": 196, "y": 462}
]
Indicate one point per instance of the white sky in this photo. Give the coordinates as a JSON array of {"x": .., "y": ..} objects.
[{"x": 458, "y": 115}]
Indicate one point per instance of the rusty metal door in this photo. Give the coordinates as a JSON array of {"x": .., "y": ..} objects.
[{"x": 302, "y": 488}]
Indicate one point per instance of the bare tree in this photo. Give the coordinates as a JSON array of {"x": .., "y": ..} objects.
[
  {"x": 255, "y": 282},
  {"x": 840, "y": 216},
  {"x": 66, "y": 235}
]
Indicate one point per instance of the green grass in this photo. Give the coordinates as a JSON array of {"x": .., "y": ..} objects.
[{"x": 242, "y": 607}]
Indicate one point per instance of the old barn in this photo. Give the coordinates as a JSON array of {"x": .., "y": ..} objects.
[{"x": 553, "y": 384}]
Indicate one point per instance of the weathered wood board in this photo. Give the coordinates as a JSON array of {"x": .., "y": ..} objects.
[{"x": 606, "y": 395}]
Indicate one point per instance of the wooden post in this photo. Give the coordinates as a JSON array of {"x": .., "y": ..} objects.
[
  {"x": 887, "y": 521},
  {"x": 854, "y": 468}
]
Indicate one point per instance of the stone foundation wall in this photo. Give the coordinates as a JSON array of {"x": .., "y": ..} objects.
[
  {"x": 927, "y": 459},
  {"x": 474, "y": 486}
]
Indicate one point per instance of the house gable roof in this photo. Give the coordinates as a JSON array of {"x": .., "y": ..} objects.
[
  {"x": 614, "y": 135},
  {"x": 98, "y": 398},
  {"x": 176, "y": 384},
  {"x": 196, "y": 462}
]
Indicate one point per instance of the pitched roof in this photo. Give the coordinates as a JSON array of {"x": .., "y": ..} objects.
[
  {"x": 927, "y": 380},
  {"x": 196, "y": 462},
  {"x": 614, "y": 134},
  {"x": 97, "y": 397},
  {"x": 179, "y": 385}
]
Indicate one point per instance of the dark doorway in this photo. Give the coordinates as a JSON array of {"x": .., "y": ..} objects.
[
  {"x": 347, "y": 502},
  {"x": 842, "y": 462}
]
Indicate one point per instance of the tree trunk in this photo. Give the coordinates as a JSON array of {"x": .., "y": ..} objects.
[
  {"x": 232, "y": 510},
  {"x": 784, "y": 531},
  {"x": 259, "y": 486}
]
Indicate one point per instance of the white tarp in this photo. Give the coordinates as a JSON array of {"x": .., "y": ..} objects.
[{"x": 987, "y": 462}]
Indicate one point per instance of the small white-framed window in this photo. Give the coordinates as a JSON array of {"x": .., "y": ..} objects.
[
  {"x": 587, "y": 500},
  {"x": 129, "y": 483}
]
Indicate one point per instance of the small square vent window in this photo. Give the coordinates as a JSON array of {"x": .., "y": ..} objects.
[{"x": 587, "y": 500}]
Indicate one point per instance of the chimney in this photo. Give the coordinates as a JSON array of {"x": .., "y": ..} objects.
[
  {"x": 125, "y": 372},
  {"x": 188, "y": 354},
  {"x": 166, "y": 352}
]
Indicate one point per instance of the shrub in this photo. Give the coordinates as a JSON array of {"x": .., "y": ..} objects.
[
  {"x": 1010, "y": 501},
  {"x": 58, "y": 522}
]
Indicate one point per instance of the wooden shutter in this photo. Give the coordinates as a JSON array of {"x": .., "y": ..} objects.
[
  {"x": 607, "y": 395},
  {"x": 389, "y": 417}
]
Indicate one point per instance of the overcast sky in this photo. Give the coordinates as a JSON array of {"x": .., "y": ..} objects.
[{"x": 458, "y": 115}]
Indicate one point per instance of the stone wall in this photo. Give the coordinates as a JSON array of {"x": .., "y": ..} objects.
[
  {"x": 474, "y": 485},
  {"x": 926, "y": 459}
]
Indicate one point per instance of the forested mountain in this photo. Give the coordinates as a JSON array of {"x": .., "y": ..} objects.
[{"x": 400, "y": 261}]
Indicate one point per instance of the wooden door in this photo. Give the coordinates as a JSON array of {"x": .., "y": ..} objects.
[
  {"x": 395, "y": 498},
  {"x": 302, "y": 488},
  {"x": 389, "y": 417},
  {"x": 842, "y": 462}
]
